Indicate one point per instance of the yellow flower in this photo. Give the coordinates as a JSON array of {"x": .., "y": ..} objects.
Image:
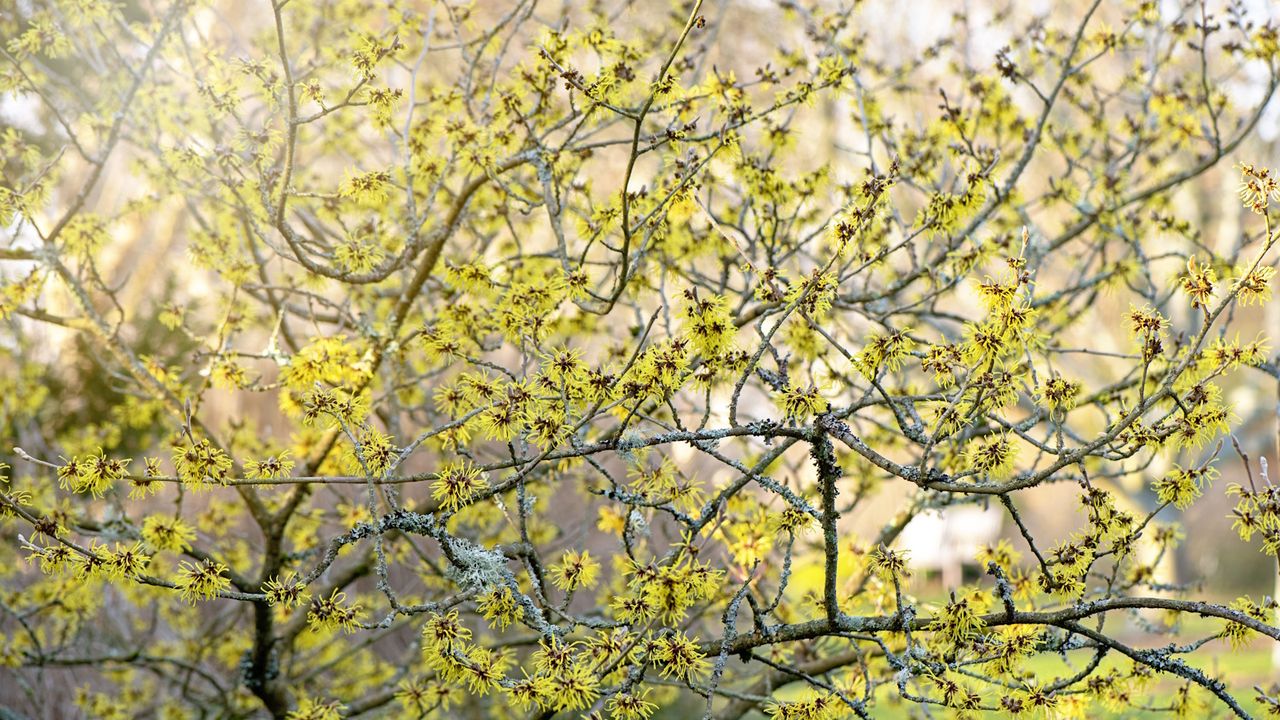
[
  {"x": 1254, "y": 286},
  {"x": 313, "y": 709},
  {"x": 1058, "y": 393},
  {"x": 167, "y": 533},
  {"x": 993, "y": 457},
  {"x": 499, "y": 607},
  {"x": 202, "y": 580},
  {"x": 271, "y": 467},
  {"x": 1198, "y": 283},
  {"x": 678, "y": 655},
  {"x": 575, "y": 570},
  {"x": 798, "y": 403},
  {"x": 1182, "y": 486},
  {"x": 455, "y": 484},
  {"x": 367, "y": 188},
  {"x": 287, "y": 592},
  {"x": 333, "y": 613},
  {"x": 198, "y": 463},
  {"x": 887, "y": 351}
]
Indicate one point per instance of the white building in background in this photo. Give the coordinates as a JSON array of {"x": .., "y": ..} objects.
[{"x": 948, "y": 539}]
